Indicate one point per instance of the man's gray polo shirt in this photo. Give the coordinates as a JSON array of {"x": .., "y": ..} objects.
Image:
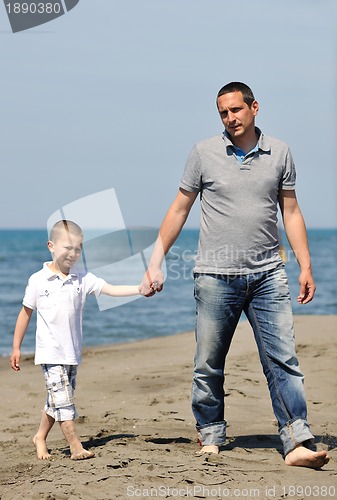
[{"x": 238, "y": 220}]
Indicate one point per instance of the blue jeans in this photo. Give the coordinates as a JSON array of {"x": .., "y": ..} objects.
[{"x": 265, "y": 299}]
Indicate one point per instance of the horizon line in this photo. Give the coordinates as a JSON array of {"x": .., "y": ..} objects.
[{"x": 194, "y": 228}]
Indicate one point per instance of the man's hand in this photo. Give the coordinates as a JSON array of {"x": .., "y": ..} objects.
[
  {"x": 152, "y": 282},
  {"x": 307, "y": 287}
]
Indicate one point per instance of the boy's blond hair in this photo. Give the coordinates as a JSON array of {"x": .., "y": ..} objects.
[{"x": 64, "y": 225}]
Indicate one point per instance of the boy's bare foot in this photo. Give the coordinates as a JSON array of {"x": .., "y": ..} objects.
[
  {"x": 303, "y": 457},
  {"x": 211, "y": 448},
  {"x": 77, "y": 452},
  {"x": 41, "y": 448},
  {"x": 82, "y": 455}
]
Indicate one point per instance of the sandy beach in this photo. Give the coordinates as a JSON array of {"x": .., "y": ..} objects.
[{"x": 134, "y": 413}]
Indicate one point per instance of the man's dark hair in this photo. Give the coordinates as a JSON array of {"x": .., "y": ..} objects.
[{"x": 246, "y": 91}]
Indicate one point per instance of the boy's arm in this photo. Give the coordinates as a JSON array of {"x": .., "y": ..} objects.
[
  {"x": 120, "y": 290},
  {"x": 20, "y": 329}
]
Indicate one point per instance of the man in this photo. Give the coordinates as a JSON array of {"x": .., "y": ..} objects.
[{"x": 241, "y": 177}]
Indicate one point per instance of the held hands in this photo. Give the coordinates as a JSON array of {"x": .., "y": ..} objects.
[
  {"x": 307, "y": 287},
  {"x": 152, "y": 282}
]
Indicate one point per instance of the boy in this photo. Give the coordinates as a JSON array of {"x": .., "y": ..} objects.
[{"x": 59, "y": 295}]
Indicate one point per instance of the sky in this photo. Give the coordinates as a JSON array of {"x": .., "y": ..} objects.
[{"x": 115, "y": 93}]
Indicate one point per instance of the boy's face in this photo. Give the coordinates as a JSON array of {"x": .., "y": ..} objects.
[{"x": 66, "y": 250}]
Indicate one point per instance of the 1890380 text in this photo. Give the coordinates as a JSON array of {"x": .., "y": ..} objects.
[{"x": 34, "y": 8}]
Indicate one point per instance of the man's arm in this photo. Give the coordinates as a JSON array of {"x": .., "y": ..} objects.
[
  {"x": 168, "y": 233},
  {"x": 297, "y": 236},
  {"x": 20, "y": 329}
]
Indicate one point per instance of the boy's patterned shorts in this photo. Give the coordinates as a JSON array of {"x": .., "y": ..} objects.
[{"x": 60, "y": 384}]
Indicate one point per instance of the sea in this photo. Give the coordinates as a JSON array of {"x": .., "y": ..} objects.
[{"x": 22, "y": 253}]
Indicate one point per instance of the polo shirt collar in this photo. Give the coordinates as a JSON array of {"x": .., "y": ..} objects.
[
  {"x": 51, "y": 274},
  {"x": 262, "y": 142}
]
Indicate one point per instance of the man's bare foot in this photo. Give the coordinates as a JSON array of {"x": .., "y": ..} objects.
[
  {"x": 303, "y": 457},
  {"x": 82, "y": 455},
  {"x": 211, "y": 448},
  {"x": 41, "y": 448}
]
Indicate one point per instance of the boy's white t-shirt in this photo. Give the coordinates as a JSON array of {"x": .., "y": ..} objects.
[{"x": 59, "y": 303}]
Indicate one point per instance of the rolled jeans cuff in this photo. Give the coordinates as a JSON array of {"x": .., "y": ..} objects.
[
  {"x": 295, "y": 433},
  {"x": 212, "y": 434}
]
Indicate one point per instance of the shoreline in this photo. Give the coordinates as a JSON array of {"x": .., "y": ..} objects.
[
  {"x": 133, "y": 401},
  {"x": 103, "y": 346}
]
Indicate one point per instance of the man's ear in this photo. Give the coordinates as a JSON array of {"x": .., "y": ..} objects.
[
  {"x": 255, "y": 107},
  {"x": 50, "y": 246}
]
